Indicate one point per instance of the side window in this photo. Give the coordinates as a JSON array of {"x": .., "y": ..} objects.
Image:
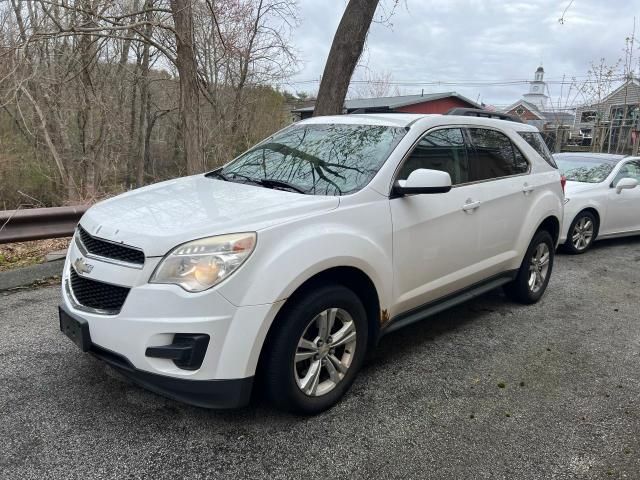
[
  {"x": 629, "y": 170},
  {"x": 537, "y": 143},
  {"x": 495, "y": 155},
  {"x": 440, "y": 150}
]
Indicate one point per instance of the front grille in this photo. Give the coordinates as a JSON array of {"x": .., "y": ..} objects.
[
  {"x": 97, "y": 295},
  {"x": 111, "y": 250}
]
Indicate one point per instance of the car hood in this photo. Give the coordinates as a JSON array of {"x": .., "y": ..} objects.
[
  {"x": 159, "y": 217},
  {"x": 579, "y": 187}
]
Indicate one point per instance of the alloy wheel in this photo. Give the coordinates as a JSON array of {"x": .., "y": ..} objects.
[
  {"x": 539, "y": 267},
  {"x": 582, "y": 233},
  {"x": 325, "y": 352}
]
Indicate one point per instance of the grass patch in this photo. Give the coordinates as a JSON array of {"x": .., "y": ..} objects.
[{"x": 23, "y": 254}]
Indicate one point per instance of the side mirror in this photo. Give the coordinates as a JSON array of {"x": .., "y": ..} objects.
[
  {"x": 625, "y": 183},
  {"x": 423, "y": 181}
]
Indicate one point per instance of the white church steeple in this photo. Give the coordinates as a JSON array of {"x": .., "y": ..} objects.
[{"x": 537, "y": 90}]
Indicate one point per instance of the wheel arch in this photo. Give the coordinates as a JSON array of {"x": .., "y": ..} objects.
[
  {"x": 350, "y": 277},
  {"x": 552, "y": 225}
]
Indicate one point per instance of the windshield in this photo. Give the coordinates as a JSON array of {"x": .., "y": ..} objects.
[
  {"x": 585, "y": 169},
  {"x": 318, "y": 159}
]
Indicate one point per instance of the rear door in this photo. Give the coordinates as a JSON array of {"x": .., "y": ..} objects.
[
  {"x": 623, "y": 210},
  {"x": 506, "y": 190}
]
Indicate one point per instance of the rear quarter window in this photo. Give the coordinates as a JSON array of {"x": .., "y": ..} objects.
[{"x": 535, "y": 140}]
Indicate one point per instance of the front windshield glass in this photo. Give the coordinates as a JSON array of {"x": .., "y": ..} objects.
[
  {"x": 318, "y": 159},
  {"x": 584, "y": 169}
]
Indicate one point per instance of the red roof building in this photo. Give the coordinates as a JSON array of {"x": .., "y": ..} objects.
[{"x": 424, "y": 103}]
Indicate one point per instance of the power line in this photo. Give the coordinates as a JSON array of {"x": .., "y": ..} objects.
[{"x": 465, "y": 83}]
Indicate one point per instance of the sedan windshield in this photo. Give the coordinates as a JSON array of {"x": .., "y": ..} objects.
[
  {"x": 585, "y": 169},
  {"x": 318, "y": 159}
]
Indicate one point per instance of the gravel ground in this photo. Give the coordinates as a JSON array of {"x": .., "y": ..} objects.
[{"x": 487, "y": 390}]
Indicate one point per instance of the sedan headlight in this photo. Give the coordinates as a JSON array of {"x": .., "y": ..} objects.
[{"x": 201, "y": 264}]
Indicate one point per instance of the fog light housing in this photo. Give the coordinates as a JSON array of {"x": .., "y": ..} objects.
[{"x": 187, "y": 350}]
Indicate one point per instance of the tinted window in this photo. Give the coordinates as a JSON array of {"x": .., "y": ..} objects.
[
  {"x": 496, "y": 156},
  {"x": 628, "y": 170},
  {"x": 538, "y": 144},
  {"x": 320, "y": 159},
  {"x": 585, "y": 169},
  {"x": 440, "y": 150}
]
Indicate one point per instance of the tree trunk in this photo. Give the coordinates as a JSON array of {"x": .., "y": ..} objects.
[
  {"x": 87, "y": 54},
  {"x": 143, "y": 118},
  {"x": 144, "y": 100},
  {"x": 66, "y": 180},
  {"x": 189, "y": 92},
  {"x": 345, "y": 52}
]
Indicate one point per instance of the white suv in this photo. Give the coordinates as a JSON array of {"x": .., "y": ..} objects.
[{"x": 291, "y": 262}]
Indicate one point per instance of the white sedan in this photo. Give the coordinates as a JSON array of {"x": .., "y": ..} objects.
[{"x": 602, "y": 198}]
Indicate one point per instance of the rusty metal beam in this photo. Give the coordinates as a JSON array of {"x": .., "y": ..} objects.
[{"x": 39, "y": 223}]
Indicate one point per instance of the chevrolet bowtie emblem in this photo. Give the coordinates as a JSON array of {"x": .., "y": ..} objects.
[{"x": 82, "y": 266}]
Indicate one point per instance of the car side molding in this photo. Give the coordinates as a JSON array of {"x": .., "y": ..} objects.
[{"x": 432, "y": 308}]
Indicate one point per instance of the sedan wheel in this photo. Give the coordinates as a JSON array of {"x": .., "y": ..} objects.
[{"x": 582, "y": 233}]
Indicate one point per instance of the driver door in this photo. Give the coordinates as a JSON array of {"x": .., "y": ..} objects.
[
  {"x": 435, "y": 236},
  {"x": 623, "y": 211}
]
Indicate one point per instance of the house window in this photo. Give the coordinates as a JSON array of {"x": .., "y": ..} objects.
[
  {"x": 624, "y": 115},
  {"x": 520, "y": 111},
  {"x": 588, "y": 116}
]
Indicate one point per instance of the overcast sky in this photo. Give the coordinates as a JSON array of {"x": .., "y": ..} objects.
[{"x": 473, "y": 40}]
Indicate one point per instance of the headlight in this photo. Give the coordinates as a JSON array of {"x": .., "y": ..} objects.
[
  {"x": 201, "y": 264},
  {"x": 566, "y": 200}
]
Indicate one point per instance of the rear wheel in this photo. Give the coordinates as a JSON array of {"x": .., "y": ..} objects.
[
  {"x": 535, "y": 271},
  {"x": 582, "y": 233},
  {"x": 317, "y": 350}
]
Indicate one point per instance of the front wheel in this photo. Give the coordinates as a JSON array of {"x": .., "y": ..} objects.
[
  {"x": 535, "y": 271},
  {"x": 317, "y": 350},
  {"x": 582, "y": 233}
]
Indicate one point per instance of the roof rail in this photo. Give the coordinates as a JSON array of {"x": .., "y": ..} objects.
[{"x": 478, "y": 112}]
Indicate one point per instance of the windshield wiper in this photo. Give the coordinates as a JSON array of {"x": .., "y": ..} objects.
[
  {"x": 264, "y": 182},
  {"x": 274, "y": 183},
  {"x": 217, "y": 174}
]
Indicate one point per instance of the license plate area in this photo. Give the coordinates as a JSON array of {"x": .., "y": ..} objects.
[{"x": 76, "y": 329}]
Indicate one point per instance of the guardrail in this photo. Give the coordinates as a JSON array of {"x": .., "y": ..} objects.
[{"x": 39, "y": 223}]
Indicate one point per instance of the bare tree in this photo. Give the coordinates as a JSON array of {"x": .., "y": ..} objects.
[
  {"x": 374, "y": 84},
  {"x": 98, "y": 96}
]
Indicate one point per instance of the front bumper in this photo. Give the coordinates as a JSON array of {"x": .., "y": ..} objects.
[
  {"x": 233, "y": 393},
  {"x": 152, "y": 316}
]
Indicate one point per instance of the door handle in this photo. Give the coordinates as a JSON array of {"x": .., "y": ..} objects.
[
  {"x": 526, "y": 188},
  {"x": 470, "y": 206}
]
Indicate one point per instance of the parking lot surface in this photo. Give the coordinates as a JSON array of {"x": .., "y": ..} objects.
[{"x": 489, "y": 389}]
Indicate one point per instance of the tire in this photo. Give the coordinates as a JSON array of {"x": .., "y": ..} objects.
[
  {"x": 528, "y": 287},
  {"x": 289, "y": 383},
  {"x": 582, "y": 233}
]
